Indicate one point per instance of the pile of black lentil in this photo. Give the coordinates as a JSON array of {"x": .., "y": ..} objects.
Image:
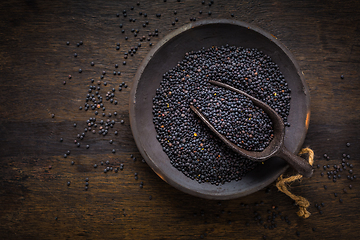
[
  {"x": 189, "y": 144},
  {"x": 235, "y": 116}
]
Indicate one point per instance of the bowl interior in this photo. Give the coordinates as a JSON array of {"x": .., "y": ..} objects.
[{"x": 166, "y": 54}]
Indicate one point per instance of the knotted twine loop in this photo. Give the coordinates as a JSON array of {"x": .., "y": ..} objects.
[{"x": 302, "y": 202}]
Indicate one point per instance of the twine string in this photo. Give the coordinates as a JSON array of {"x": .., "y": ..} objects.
[{"x": 282, "y": 183}]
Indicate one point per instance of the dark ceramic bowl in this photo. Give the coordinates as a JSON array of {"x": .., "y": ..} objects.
[{"x": 166, "y": 54}]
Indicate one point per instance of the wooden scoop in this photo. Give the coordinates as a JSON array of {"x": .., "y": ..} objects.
[{"x": 276, "y": 147}]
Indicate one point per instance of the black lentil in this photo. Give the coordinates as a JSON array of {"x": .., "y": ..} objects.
[{"x": 191, "y": 147}]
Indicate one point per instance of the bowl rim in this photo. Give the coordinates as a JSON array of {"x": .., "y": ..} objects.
[{"x": 143, "y": 65}]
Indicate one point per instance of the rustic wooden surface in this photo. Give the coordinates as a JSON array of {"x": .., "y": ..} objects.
[{"x": 35, "y": 201}]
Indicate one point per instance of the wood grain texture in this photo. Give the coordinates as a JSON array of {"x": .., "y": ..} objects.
[{"x": 36, "y": 202}]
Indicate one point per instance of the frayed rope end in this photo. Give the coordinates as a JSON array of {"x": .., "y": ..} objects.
[{"x": 303, "y": 203}]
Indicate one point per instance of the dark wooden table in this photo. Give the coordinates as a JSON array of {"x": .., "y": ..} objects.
[{"x": 35, "y": 201}]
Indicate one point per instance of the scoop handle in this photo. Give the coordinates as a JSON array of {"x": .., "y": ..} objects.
[{"x": 298, "y": 163}]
